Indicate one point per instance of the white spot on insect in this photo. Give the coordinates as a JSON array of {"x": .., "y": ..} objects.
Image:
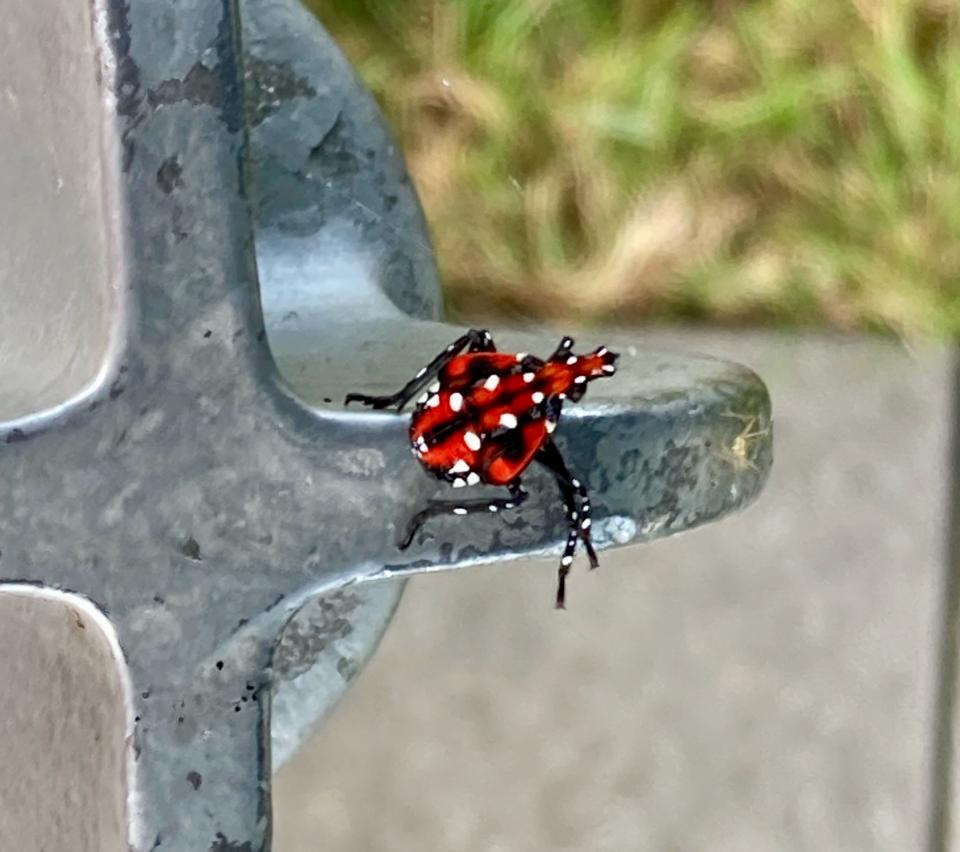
[
  {"x": 433, "y": 402},
  {"x": 508, "y": 421},
  {"x": 579, "y": 380},
  {"x": 459, "y": 466},
  {"x": 493, "y": 507},
  {"x": 528, "y": 377},
  {"x": 573, "y": 516},
  {"x": 473, "y": 478},
  {"x": 575, "y": 482},
  {"x": 602, "y": 350},
  {"x": 509, "y": 505},
  {"x": 566, "y": 343},
  {"x": 459, "y": 510},
  {"x": 550, "y": 426},
  {"x": 521, "y": 356},
  {"x": 456, "y": 401},
  {"x": 561, "y": 396},
  {"x": 585, "y": 524},
  {"x": 566, "y": 560},
  {"x": 421, "y": 372},
  {"x": 572, "y": 360},
  {"x": 492, "y": 382},
  {"x": 459, "y": 482},
  {"x": 472, "y": 440},
  {"x": 434, "y": 387},
  {"x": 609, "y": 369},
  {"x": 423, "y": 398},
  {"x": 537, "y": 397},
  {"x": 422, "y": 442}
]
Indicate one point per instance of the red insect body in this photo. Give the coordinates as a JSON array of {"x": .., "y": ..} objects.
[{"x": 487, "y": 415}]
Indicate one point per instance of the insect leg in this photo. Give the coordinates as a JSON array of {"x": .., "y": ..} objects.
[
  {"x": 463, "y": 507},
  {"x": 480, "y": 341},
  {"x": 578, "y": 517},
  {"x": 477, "y": 339},
  {"x": 562, "y": 351},
  {"x": 550, "y": 457}
]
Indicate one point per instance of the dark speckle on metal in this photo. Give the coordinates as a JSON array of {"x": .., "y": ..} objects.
[
  {"x": 221, "y": 844},
  {"x": 168, "y": 175},
  {"x": 238, "y": 528},
  {"x": 271, "y": 84},
  {"x": 15, "y": 435},
  {"x": 191, "y": 549}
]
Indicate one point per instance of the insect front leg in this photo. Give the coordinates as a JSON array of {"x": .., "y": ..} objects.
[
  {"x": 562, "y": 352},
  {"x": 463, "y": 507},
  {"x": 475, "y": 340}
]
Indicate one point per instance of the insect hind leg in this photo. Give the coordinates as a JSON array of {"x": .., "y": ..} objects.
[
  {"x": 565, "y": 562},
  {"x": 578, "y": 516},
  {"x": 463, "y": 507},
  {"x": 475, "y": 340}
]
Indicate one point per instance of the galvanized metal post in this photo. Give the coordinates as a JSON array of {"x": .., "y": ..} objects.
[{"x": 157, "y": 461}]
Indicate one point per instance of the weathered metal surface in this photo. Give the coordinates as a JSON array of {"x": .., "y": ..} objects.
[
  {"x": 320, "y": 652},
  {"x": 339, "y": 233},
  {"x": 199, "y": 496}
]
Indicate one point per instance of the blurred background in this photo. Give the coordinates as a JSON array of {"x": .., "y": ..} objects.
[
  {"x": 747, "y": 179},
  {"x": 774, "y": 162}
]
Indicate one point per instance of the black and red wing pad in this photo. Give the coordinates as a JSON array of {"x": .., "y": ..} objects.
[
  {"x": 466, "y": 370},
  {"x": 506, "y": 456}
]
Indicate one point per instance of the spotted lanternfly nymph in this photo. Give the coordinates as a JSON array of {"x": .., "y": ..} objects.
[{"x": 484, "y": 416}]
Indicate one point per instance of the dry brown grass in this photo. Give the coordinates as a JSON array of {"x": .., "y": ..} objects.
[{"x": 776, "y": 160}]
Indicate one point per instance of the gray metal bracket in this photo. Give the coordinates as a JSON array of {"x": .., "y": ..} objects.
[{"x": 184, "y": 462}]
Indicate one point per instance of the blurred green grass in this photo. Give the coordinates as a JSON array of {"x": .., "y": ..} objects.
[{"x": 783, "y": 162}]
